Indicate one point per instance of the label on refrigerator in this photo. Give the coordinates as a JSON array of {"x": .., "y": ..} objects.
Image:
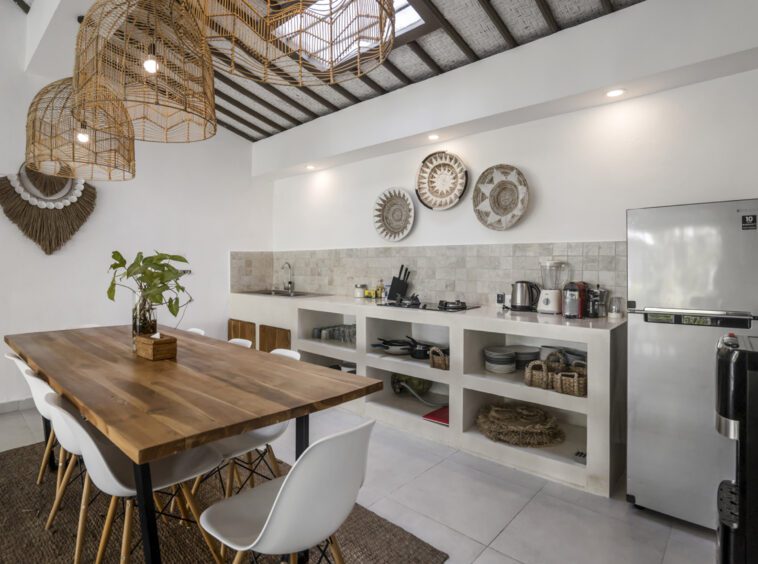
[{"x": 749, "y": 222}]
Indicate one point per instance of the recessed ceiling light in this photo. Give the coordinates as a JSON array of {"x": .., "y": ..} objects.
[
  {"x": 310, "y": 167},
  {"x": 615, "y": 93},
  {"x": 433, "y": 137},
  {"x": 82, "y": 137}
]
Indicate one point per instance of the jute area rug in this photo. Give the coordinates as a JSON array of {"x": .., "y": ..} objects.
[{"x": 364, "y": 537}]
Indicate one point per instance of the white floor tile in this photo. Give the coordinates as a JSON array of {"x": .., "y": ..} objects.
[
  {"x": 690, "y": 545},
  {"x": 460, "y": 548},
  {"x": 34, "y": 422},
  {"x": 477, "y": 504},
  {"x": 14, "y": 431},
  {"x": 529, "y": 481},
  {"x": 552, "y": 531},
  {"x": 490, "y": 556}
]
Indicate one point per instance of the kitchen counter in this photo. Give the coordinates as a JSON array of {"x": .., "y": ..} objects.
[{"x": 594, "y": 424}]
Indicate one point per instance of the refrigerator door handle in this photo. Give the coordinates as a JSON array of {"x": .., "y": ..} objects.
[{"x": 699, "y": 312}]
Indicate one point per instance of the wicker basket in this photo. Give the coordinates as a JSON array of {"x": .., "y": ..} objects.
[
  {"x": 572, "y": 383},
  {"x": 519, "y": 424},
  {"x": 539, "y": 373},
  {"x": 438, "y": 359}
]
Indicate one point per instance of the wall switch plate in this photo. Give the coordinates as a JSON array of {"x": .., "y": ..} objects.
[{"x": 501, "y": 299}]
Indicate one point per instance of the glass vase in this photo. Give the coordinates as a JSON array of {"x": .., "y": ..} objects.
[{"x": 144, "y": 318}]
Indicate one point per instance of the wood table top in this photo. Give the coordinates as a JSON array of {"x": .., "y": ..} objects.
[{"x": 151, "y": 409}]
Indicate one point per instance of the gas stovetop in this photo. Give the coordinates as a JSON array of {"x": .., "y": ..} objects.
[{"x": 414, "y": 302}]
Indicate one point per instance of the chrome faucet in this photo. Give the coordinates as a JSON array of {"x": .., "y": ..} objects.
[{"x": 290, "y": 286}]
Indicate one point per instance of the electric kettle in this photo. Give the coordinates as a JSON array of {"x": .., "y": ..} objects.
[{"x": 524, "y": 295}]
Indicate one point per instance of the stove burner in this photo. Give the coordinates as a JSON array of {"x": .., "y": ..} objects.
[{"x": 457, "y": 305}]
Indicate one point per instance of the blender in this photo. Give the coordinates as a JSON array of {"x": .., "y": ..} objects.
[{"x": 554, "y": 276}]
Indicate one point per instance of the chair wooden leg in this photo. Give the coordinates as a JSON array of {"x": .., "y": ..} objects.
[
  {"x": 82, "y": 519},
  {"x": 196, "y": 485},
  {"x": 237, "y": 478},
  {"x": 293, "y": 558},
  {"x": 46, "y": 457},
  {"x": 180, "y": 504},
  {"x": 62, "y": 458},
  {"x": 126, "y": 539},
  {"x": 60, "y": 491},
  {"x": 105, "y": 537},
  {"x": 249, "y": 459},
  {"x": 229, "y": 486},
  {"x": 189, "y": 499},
  {"x": 273, "y": 461},
  {"x": 335, "y": 550},
  {"x": 239, "y": 557}
]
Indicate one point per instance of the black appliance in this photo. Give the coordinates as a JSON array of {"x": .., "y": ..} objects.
[
  {"x": 414, "y": 302},
  {"x": 737, "y": 419}
]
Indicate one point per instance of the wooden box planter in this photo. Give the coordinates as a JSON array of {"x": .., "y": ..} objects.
[{"x": 163, "y": 348}]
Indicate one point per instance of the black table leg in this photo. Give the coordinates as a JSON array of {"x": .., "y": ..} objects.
[
  {"x": 302, "y": 439},
  {"x": 147, "y": 513},
  {"x": 46, "y": 429}
]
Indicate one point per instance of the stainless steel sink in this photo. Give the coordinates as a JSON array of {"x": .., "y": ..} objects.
[{"x": 283, "y": 293}]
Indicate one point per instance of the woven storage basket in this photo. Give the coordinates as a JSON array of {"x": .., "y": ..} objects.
[
  {"x": 572, "y": 382},
  {"x": 519, "y": 425},
  {"x": 539, "y": 373},
  {"x": 438, "y": 359}
]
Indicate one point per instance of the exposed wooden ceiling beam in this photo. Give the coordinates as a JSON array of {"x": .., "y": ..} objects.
[
  {"x": 223, "y": 79},
  {"x": 547, "y": 15},
  {"x": 251, "y": 112},
  {"x": 450, "y": 30},
  {"x": 23, "y": 5},
  {"x": 396, "y": 72},
  {"x": 499, "y": 24},
  {"x": 376, "y": 87},
  {"x": 236, "y": 131},
  {"x": 239, "y": 119},
  {"x": 418, "y": 50},
  {"x": 608, "y": 6}
]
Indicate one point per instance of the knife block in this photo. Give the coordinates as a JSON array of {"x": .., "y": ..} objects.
[{"x": 398, "y": 289}]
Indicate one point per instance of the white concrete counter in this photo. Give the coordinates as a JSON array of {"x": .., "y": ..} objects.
[{"x": 594, "y": 424}]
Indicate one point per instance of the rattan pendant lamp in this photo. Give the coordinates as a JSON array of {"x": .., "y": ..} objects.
[
  {"x": 98, "y": 145},
  {"x": 152, "y": 55},
  {"x": 299, "y": 42}
]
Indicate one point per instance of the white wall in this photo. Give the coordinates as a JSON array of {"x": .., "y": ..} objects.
[
  {"x": 696, "y": 143},
  {"x": 192, "y": 198}
]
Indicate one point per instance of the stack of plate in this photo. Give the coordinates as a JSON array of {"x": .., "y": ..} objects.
[
  {"x": 524, "y": 354},
  {"x": 500, "y": 360}
]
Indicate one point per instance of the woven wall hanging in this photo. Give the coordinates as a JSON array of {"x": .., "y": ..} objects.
[{"x": 47, "y": 209}]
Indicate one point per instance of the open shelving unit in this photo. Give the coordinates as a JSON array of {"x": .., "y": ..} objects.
[{"x": 592, "y": 424}]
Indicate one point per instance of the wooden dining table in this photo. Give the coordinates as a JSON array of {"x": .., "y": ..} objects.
[{"x": 153, "y": 409}]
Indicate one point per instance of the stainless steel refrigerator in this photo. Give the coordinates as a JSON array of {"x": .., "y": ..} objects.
[{"x": 693, "y": 276}]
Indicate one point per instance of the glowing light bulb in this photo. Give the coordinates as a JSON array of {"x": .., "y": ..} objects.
[
  {"x": 615, "y": 93},
  {"x": 311, "y": 167},
  {"x": 433, "y": 137},
  {"x": 150, "y": 65},
  {"x": 82, "y": 137}
]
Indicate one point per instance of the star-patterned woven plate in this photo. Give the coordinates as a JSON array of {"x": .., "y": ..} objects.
[{"x": 501, "y": 197}]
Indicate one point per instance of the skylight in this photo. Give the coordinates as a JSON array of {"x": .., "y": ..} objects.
[{"x": 345, "y": 47}]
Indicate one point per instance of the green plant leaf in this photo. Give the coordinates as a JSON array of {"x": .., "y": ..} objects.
[
  {"x": 112, "y": 289},
  {"x": 135, "y": 266},
  {"x": 173, "y": 306},
  {"x": 178, "y": 258},
  {"x": 119, "y": 258}
]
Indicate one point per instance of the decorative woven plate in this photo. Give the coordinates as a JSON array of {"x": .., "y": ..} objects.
[
  {"x": 501, "y": 197},
  {"x": 394, "y": 214},
  {"x": 441, "y": 181}
]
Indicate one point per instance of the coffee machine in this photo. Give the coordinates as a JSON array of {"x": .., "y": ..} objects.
[
  {"x": 737, "y": 419},
  {"x": 575, "y": 300},
  {"x": 554, "y": 275}
]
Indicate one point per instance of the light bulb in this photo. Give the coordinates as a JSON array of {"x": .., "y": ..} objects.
[
  {"x": 433, "y": 137},
  {"x": 150, "y": 65},
  {"x": 615, "y": 93},
  {"x": 82, "y": 137}
]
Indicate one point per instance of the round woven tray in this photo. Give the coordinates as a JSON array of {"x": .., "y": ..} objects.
[{"x": 519, "y": 425}]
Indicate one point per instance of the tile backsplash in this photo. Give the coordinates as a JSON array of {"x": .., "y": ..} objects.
[{"x": 475, "y": 273}]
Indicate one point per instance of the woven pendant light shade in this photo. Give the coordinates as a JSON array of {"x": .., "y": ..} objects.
[
  {"x": 300, "y": 42},
  {"x": 152, "y": 56},
  {"x": 59, "y": 144}
]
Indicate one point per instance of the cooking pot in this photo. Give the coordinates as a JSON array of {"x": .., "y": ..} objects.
[{"x": 524, "y": 295}]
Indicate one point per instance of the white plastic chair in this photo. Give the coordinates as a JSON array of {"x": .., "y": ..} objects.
[
  {"x": 244, "y": 444},
  {"x": 112, "y": 472},
  {"x": 241, "y": 343},
  {"x": 301, "y": 510},
  {"x": 196, "y": 331},
  {"x": 39, "y": 389},
  {"x": 294, "y": 355}
]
